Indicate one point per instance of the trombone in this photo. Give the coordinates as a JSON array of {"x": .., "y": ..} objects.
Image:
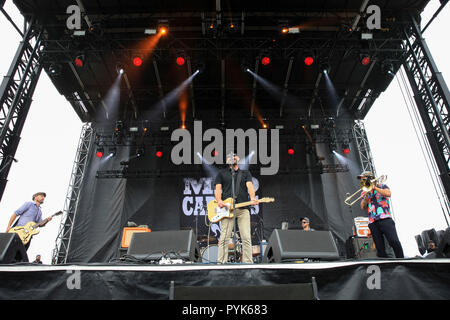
[{"x": 366, "y": 185}]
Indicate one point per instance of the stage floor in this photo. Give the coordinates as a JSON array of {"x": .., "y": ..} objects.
[{"x": 348, "y": 280}]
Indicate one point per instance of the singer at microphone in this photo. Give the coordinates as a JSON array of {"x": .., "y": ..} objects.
[{"x": 243, "y": 191}]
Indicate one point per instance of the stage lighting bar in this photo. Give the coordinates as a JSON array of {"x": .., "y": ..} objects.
[
  {"x": 79, "y": 33},
  {"x": 150, "y": 31}
]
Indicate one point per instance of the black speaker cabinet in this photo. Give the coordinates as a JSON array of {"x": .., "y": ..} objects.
[
  {"x": 151, "y": 246},
  {"x": 443, "y": 249},
  {"x": 289, "y": 245},
  {"x": 12, "y": 249},
  {"x": 361, "y": 248}
]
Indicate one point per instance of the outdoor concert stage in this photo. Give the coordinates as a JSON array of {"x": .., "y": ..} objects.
[{"x": 388, "y": 279}]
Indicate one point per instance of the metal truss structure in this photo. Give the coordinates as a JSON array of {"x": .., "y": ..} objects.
[
  {"x": 362, "y": 144},
  {"x": 432, "y": 99},
  {"x": 16, "y": 92},
  {"x": 71, "y": 203}
]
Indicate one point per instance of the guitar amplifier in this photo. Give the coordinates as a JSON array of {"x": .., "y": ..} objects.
[
  {"x": 128, "y": 233},
  {"x": 361, "y": 227}
]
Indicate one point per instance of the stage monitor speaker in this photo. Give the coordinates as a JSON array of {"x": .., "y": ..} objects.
[
  {"x": 12, "y": 249},
  {"x": 289, "y": 245},
  {"x": 361, "y": 248},
  {"x": 151, "y": 246}
]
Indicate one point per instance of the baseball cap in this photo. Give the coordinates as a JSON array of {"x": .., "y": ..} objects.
[{"x": 365, "y": 174}]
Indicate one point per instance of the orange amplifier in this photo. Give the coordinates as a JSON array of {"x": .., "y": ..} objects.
[
  {"x": 128, "y": 232},
  {"x": 361, "y": 227}
]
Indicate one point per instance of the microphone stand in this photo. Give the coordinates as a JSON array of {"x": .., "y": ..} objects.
[{"x": 233, "y": 194}]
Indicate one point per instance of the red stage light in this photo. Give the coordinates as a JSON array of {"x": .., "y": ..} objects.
[
  {"x": 291, "y": 151},
  {"x": 265, "y": 61},
  {"x": 159, "y": 154},
  {"x": 180, "y": 61},
  {"x": 137, "y": 61},
  {"x": 99, "y": 154},
  {"x": 309, "y": 60},
  {"x": 78, "y": 62},
  {"x": 346, "y": 151},
  {"x": 365, "y": 60}
]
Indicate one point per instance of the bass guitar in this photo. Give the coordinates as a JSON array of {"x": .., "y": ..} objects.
[
  {"x": 215, "y": 213},
  {"x": 31, "y": 228}
]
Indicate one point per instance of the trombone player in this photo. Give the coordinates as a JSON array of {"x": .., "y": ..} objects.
[{"x": 377, "y": 202}]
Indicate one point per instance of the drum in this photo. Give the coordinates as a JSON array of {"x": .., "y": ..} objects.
[{"x": 210, "y": 254}]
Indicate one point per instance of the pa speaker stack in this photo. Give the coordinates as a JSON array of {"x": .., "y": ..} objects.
[
  {"x": 291, "y": 245},
  {"x": 12, "y": 249},
  {"x": 155, "y": 245}
]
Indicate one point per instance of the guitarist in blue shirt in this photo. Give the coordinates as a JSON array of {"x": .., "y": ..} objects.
[
  {"x": 29, "y": 211},
  {"x": 243, "y": 189}
]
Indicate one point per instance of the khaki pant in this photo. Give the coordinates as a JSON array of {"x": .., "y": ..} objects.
[{"x": 243, "y": 222}]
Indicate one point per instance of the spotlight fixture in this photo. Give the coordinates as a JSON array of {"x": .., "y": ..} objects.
[
  {"x": 163, "y": 27},
  {"x": 284, "y": 30},
  {"x": 99, "y": 152},
  {"x": 79, "y": 61},
  {"x": 325, "y": 68},
  {"x": 346, "y": 147},
  {"x": 309, "y": 60},
  {"x": 112, "y": 151},
  {"x": 120, "y": 69},
  {"x": 265, "y": 60},
  {"x": 265, "y": 57},
  {"x": 180, "y": 61},
  {"x": 137, "y": 60},
  {"x": 364, "y": 58},
  {"x": 291, "y": 150},
  {"x": 163, "y": 30},
  {"x": 140, "y": 152},
  {"x": 55, "y": 69},
  {"x": 388, "y": 69}
]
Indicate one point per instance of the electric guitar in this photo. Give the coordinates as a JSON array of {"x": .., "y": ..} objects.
[
  {"x": 215, "y": 214},
  {"x": 30, "y": 229}
]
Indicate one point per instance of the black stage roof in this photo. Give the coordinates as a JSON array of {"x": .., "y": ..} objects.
[{"x": 222, "y": 38}]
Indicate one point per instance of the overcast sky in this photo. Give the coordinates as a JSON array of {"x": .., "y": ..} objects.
[{"x": 50, "y": 137}]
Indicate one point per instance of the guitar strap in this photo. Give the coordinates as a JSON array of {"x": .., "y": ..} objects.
[{"x": 238, "y": 183}]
